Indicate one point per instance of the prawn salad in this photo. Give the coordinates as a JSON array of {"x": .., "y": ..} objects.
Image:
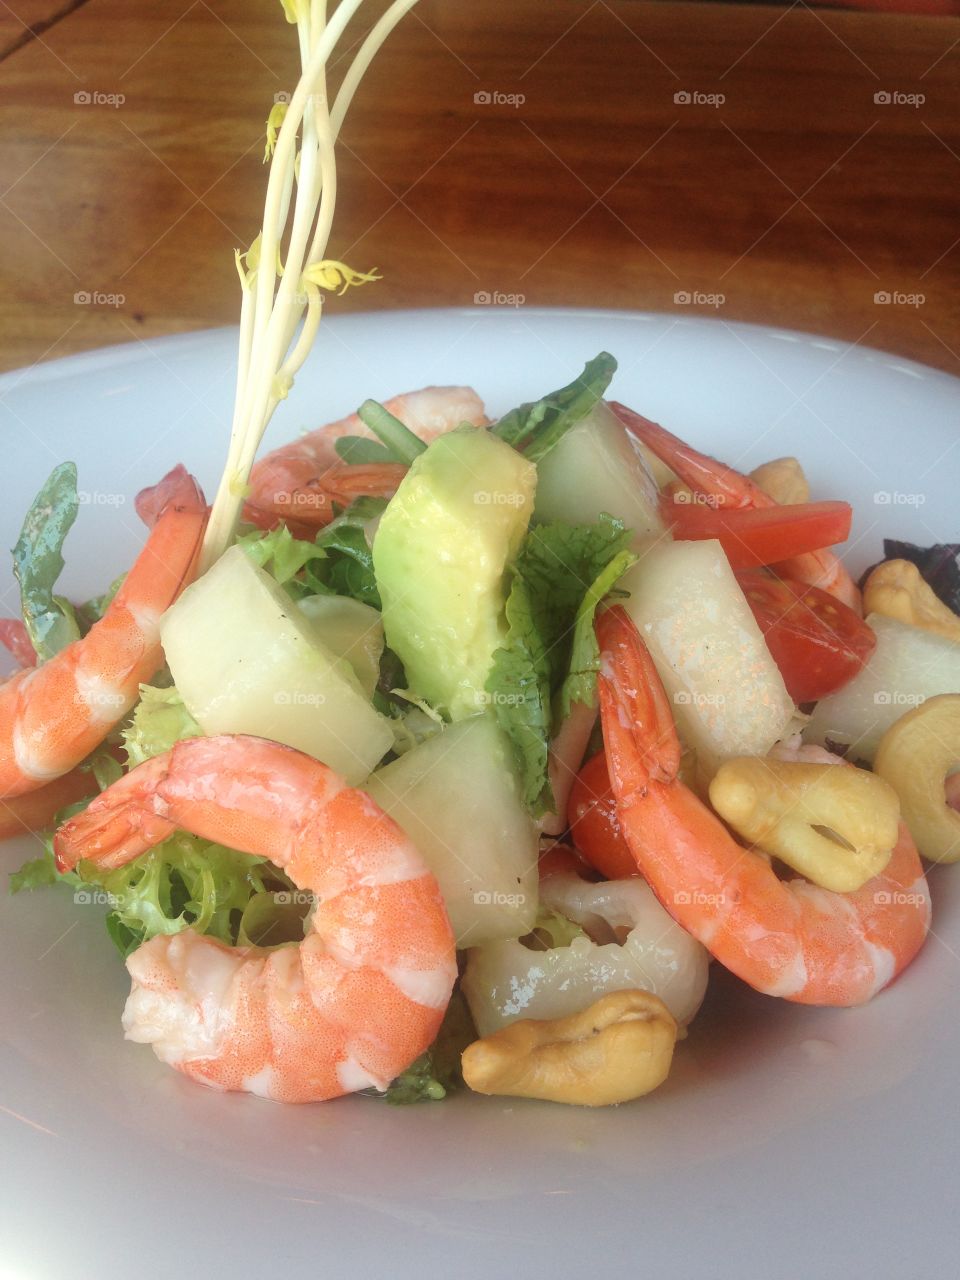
[{"x": 442, "y": 750}]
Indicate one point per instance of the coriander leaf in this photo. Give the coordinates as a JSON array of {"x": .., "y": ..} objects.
[
  {"x": 580, "y": 684},
  {"x": 360, "y": 449},
  {"x": 535, "y": 428},
  {"x": 37, "y": 562},
  {"x": 552, "y": 576},
  {"x": 558, "y": 562},
  {"x": 518, "y": 688}
]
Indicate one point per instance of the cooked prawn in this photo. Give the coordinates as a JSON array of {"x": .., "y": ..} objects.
[
  {"x": 54, "y": 715},
  {"x": 300, "y": 482},
  {"x": 706, "y": 476},
  {"x": 353, "y": 1004},
  {"x": 785, "y": 938}
]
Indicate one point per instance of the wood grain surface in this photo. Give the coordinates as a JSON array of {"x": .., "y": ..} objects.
[{"x": 734, "y": 160}]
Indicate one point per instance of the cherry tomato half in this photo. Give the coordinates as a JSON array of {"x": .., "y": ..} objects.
[
  {"x": 751, "y": 537},
  {"x": 592, "y": 814},
  {"x": 817, "y": 642}
]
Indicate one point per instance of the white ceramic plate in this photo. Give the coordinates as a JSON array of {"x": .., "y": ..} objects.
[{"x": 788, "y": 1142}]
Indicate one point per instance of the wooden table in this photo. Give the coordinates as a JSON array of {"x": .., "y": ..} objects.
[{"x": 734, "y": 160}]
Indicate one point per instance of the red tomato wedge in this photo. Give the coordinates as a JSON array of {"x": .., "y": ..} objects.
[
  {"x": 594, "y": 827},
  {"x": 817, "y": 642},
  {"x": 752, "y": 537}
]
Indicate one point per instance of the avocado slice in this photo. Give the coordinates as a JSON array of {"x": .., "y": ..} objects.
[{"x": 440, "y": 555}]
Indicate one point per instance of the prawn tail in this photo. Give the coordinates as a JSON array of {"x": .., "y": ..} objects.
[
  {"x": 638, "y": 728},
  {"x": 177, "y": 490},
  {"x": 119, "y": 824},
  {"x": 699, "y": 471}
]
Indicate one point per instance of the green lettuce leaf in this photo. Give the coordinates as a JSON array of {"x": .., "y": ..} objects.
[
  {"x": 580, "y": 682},
  {"x": 37, "y": 873},
  {"x": 535, "y": 428},
  {"x": 290, "y": 561},
  {"x": 182, "y": 883},
  {"x": 338, "y": 562},
  {"x": 347, "y": 543},
  {"x": 518, "y": 688},
  {"x": 550, "y": 658},
  {"x": 37, "y": 561},
  {"x": 159, "y": 720}
]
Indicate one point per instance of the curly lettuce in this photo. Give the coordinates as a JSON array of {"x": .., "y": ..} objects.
[
  {"x": 159, "y": 720},
  {"x": 339, "y": 561}
]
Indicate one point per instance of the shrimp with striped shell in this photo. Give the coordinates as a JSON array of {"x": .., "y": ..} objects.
[
  {"x": 785, "y": 938},
  {"x": 301, "y": 482},
  {"x": 352, "y": 1005},
  {"x": 53, "y": 715}
]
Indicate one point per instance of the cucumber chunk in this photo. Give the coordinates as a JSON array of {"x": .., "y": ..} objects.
[
  {"x": 908, "y": 666},
  {"x": 596, "y": 469},
  {"x": 440, "y": 553},
  {"x": 246, "y": 661},
  {"x": 456, "y": 797},
  {"x": 726, "y": 691}
]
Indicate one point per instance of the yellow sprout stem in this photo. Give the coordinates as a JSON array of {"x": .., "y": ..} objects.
[{"x": 270, "y": 314}]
